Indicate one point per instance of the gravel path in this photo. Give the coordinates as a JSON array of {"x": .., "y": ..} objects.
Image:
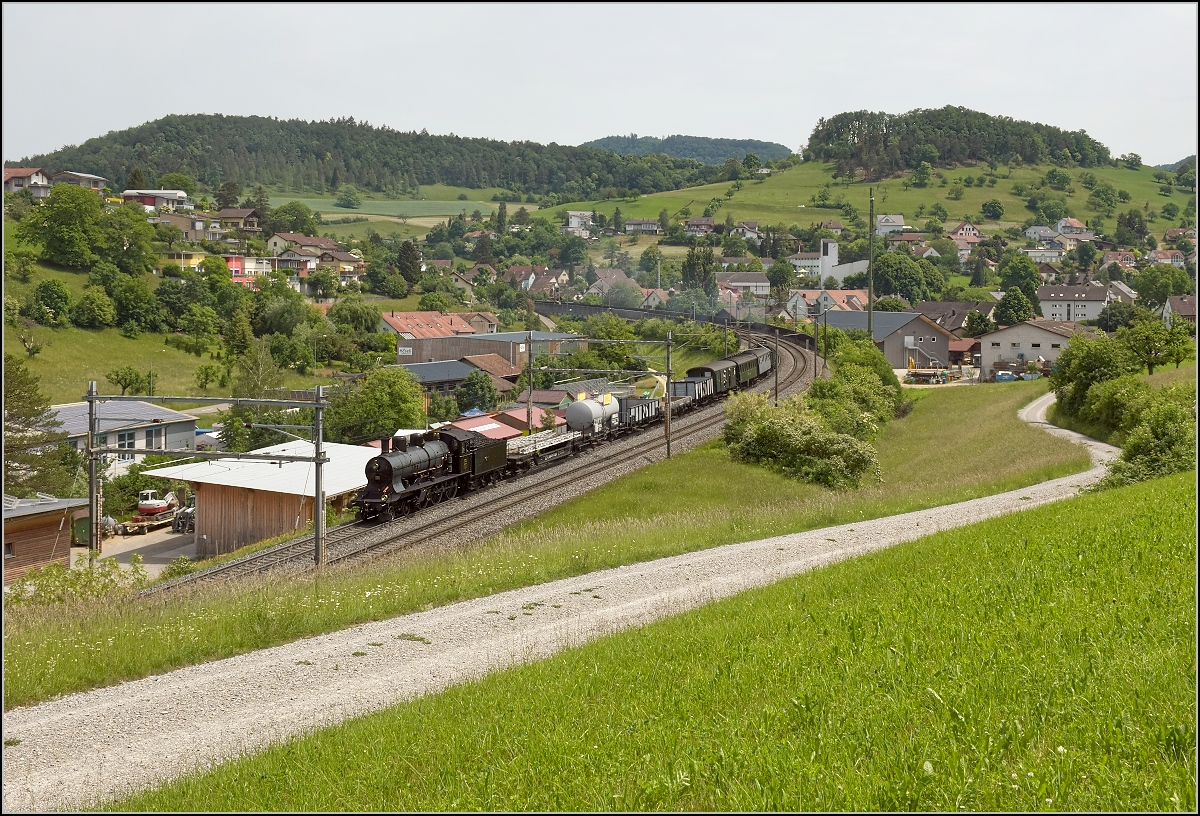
[{"x": 113, "y": 741}]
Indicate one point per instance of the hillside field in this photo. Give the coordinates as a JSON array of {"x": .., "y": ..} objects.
[
  {"x": 785, "y": 197},
  {"x": 1043, "y": 661}
]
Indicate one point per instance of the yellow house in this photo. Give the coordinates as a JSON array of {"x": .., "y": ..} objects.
[{"x": 185, "y": 259}]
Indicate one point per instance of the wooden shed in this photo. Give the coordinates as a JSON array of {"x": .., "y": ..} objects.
[
  {"x": 241, "y": 502},
  {"x": 37, "y": 533}
]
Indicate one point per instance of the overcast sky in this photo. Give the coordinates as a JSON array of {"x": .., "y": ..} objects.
[{"x": 1125, "y": 73}]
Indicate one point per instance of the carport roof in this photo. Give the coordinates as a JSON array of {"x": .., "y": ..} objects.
[{"x": 345, "y": 471}]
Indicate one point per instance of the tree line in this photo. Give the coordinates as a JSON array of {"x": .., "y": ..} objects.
[
  {"x": 698, "y": 148},
  {"x": 322, "y": 156}
]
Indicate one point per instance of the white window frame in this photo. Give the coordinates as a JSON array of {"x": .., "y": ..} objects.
[{"x": 128, "y": 441}]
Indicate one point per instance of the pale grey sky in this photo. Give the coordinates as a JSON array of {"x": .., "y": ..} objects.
[{"x": 1124, "y": 72}]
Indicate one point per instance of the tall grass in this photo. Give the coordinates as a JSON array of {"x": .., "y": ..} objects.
[
  {"x": 1045, "y": 661},
  {"x": 958, "y": 443}
]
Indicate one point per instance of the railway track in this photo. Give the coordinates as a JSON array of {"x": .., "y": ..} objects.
[{"x": 353, "y": 541}]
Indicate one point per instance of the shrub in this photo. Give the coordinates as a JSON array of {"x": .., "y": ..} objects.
[
  {"x": 92, "y": 577},
  {"x": 1164, "y": 442},
  {"x": 178, "y": 568},
  {"x": 794, "y": 441}
]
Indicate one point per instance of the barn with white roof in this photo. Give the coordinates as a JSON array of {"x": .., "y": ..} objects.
[{"x": 241, "y": 502}]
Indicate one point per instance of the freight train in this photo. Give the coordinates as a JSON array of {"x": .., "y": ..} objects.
[{"x": 416, "y": 471}]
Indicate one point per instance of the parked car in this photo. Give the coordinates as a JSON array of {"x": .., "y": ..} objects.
[{"x": 1005, "y": 376}]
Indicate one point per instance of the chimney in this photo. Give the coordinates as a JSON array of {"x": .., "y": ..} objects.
[{"x": 385, "y": 445}]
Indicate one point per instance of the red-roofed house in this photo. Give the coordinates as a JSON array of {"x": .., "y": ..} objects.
[
  {"x": 699, "y": 226},
  {"x": 26, "y": 178},
  {"x": 413, "y": 325},
  {"x": 965, "y": 230},
  {"x": 1170, "y": 257},
  {"x": 1123, "y": 258},
  {"x": 1067, "y": 226}
]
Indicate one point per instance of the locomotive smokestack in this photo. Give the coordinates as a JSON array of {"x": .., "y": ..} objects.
[{"x": 385, "y": 445}]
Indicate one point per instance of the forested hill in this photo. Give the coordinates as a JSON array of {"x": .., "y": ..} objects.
[
  {"x": 881, "y": 144},
  {"x": 699, "y": 148},
  {"x": 319, "y": 156},
  {"x": 1173, "y": 166}
]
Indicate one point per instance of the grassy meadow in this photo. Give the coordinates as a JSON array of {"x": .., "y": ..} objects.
[
  {"x": 785, "y": 197},
  {"x": 681, "y": 505},
  {"x": 1040, "y": 662},
  {"x": 396, "y": 207}
]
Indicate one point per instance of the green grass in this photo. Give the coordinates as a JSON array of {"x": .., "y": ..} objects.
[
  {"x": 384, "y": 225},
  {"x": 671, "y": 507},
  {"x": 778, "y": 199},
  {"x": 1169, "y": 375},
  {"x": 73, "y": 357},
  {"x": 1044, "y": 661},
  {"x": 394, "y": 207}
]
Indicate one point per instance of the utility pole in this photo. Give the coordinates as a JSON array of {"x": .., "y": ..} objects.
[
  {"x": 96, "y": 533},
  {"x": 318, "y": 486},
  {"x": 529, "y": 402},
  {"x": 658, "y": 282},
  {"x": 667, "y": 425},
  {"x": 870, "y": 266},
  {"x": 776, "y": 366}
]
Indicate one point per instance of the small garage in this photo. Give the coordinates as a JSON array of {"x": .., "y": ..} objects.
[
  {"x": 37, "y": 533},
  {"x": 241, "y": 502}
]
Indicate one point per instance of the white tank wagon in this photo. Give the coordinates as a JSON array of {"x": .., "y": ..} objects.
[{"x": 594, "y": 416}]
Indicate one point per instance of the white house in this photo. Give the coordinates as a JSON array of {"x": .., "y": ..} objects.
[
  {"x": 1031, "y": 341},
  {"x": 1072, "y": 303},
  {"x": 1045, "y": 255},
  {"x": 889, "y": 223},
  {"x": 645, "y": 226},
  {"x": 748, "y": 231},
  {"x": 94, "y": 183},
  {"x": 754, "y": 282},
  {"x": 1040, "y": 234},
  {"x": 160, "y": 199},
  {"x": 26, "y": 178},
  {"x": 1067, "y": 226}
]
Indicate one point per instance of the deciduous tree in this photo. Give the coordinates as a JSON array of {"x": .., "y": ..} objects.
[
  {"x": 127, "y": 378},
  {"x": 66, "y": 226},
  {"x": 374, "y": 406},
  {"x": 477, "y": 391}
]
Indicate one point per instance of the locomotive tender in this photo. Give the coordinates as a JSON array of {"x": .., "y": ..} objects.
[{"x": 418, "y": 470}]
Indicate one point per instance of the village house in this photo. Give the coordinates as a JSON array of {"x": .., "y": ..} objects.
[
  {"x": 247, "y": 270},
  {"x": 349, "y": 267},
  {"x": 1013, "y": 347},
  {"x": 885, "y": 224},
  {"x": 188, "y": 259},
  {"x": 653, "y": 298},
  {"x": 160, "y": 199},
  {"x": 1045, "y": 255},
  {"x": 136, "y": 427},
  {"x": 754, "y": 282},
  {"x": 1180, "y": 307},
  {"x": 1119, "y": 291},
  {"x": 1169, "y": 257},
  {"x": 907, "y": 339},
  {"x": 94, "y": 183},
  {"x": 748, "y": 231},
  {"x": 281, "y": 241},
  {"x": 699, "y": 226},
  {"x": 952, "y": 315},
  {"x": 26, "y": 178},
  {"x": 242, "y": 220},
  {"x": 1039, "y": 234},
  {"x": 414, "y": 325},
  {"x": 925, "y": 252},
  {"x": 812, "y": 302},
  {"x": 1123, "y": 258},
  {"x": 194, "y": 226},
  {"x": 482, "y": 322},
  {"x": 835, "y": 227},
  {"x": 1068, "y": 226},
  {"x": 965, "y": 230},
  {"x": 912, "y": 239},
  {"x": 1072, "y": 303},
  {"x": 644, "y": 226}
]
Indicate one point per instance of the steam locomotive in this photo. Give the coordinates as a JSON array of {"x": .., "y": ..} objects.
[{"x": 421, "y": 469}]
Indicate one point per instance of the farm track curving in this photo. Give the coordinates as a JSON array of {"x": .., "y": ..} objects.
[{"x": 355, "y": 541}]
